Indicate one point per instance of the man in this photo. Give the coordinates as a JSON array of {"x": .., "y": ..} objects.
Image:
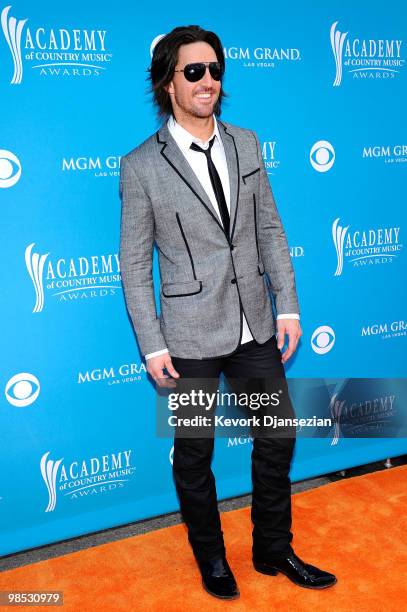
[{"x": 199, "y": 189}]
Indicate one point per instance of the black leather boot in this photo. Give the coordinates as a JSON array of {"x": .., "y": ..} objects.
[
  {"x": 296, "y": 570},
  {"x": 217, "y": 578}
]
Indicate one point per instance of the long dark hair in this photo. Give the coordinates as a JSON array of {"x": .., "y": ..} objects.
[{"x": 165, "y": 56}]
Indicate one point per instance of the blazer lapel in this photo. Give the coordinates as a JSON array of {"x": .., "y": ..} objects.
[
  {"x": 174, "y": 156},
  {"x": 232, "y": 160}
]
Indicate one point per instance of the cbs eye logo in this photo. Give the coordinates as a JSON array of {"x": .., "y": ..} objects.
[
  {"x": 322, "y": 156},
  {"x": 10, "y": 169},
  {"x": 323, "y": 339},
  {"x": 22, "y": 389}
]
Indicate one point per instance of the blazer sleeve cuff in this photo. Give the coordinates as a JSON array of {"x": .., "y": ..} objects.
[{"x": 156, "y": 353}]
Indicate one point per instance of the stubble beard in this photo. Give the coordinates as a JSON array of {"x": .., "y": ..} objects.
[{"x": 197, "y": 111}]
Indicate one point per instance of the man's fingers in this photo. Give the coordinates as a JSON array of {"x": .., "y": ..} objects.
[
  {"x": 156, "y": 366},
  {"x": 287, "y": 354},
  {"x": 170, "y": 368},
  {"x": 161, "y": 379},
  {"x": 294, "y": 332},
  {"x": 280, "y": 337},
  {"x": 290, "y": 348},
  {"x": 158, "y": 373},
  {"x": 292, "y": 345}
]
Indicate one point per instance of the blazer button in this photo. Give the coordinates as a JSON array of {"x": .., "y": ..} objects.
[
  {"x": 232, "y": 246},
  {"x": 233, "y": 281}
]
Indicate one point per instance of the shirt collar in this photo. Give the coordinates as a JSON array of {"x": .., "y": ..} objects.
[{"x": 184, "y": 138}]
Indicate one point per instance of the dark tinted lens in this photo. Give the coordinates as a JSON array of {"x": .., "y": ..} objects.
[
  {"x": 194, "y": 72},
  {"x": 215, "y": 70}
]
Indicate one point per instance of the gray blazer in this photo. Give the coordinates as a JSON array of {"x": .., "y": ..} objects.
[{"x": 206, "y": 276}]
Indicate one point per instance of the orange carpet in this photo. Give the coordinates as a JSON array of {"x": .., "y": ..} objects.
[{"x": 355, "y": 528}]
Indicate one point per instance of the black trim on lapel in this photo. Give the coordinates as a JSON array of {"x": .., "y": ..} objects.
[
  {"x": 162, "y": 151},
  {"x": 232, "y": 161},
  {"x": 186, "y": 244},
  {"x": 233, "y": 184}
]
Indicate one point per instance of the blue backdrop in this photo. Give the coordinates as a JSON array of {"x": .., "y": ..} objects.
[{"x": 323, "y": 85}]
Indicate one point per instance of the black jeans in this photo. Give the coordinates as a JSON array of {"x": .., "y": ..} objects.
[{"x": 271, "y": 459}]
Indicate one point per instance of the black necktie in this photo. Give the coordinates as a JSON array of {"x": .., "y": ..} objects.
[{"x": 216, "y": 184}]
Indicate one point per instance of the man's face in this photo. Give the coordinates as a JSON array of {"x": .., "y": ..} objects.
[{"x": 188, "y": 98}]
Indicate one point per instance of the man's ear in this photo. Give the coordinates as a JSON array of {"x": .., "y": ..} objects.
[{"x": 169, "y": 88}]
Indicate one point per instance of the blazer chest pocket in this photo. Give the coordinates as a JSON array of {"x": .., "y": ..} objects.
[
  {"x": 248, "y": 175},
  {"x": 181, "y": 289}
]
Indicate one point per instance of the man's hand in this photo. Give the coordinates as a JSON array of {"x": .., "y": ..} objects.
[
  {"x": 155, "y": 366},
  {"x": 292, "y": 328}
]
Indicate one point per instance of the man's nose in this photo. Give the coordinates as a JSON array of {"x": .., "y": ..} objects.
[{"x": 207, "y": 80}]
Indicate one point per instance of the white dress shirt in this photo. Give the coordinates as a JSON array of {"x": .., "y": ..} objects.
[{"x": 199, "y": 165}]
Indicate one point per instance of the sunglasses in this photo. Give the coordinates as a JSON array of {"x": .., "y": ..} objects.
[{"x": 195, "y": 72}]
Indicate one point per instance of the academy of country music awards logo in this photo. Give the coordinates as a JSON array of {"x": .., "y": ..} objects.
[
  {"x": 59, "y": 51},
  {"x": 271, "y": 161},
  {"x": 85, "y": 477},
  {"x": 72, "y": 279},
  {"x": 354, "y": 417},
  {"x": 54, "y": 51},
  {"x": 373, "y": 58},
  {"x": 365, "y": 247}
]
